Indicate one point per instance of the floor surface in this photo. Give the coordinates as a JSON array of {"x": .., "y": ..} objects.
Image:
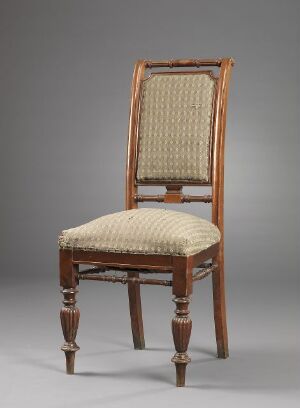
[{"x": 262, "y": 371}]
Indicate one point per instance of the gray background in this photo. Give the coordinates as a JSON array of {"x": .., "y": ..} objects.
[{"x": 65, "y": 75}]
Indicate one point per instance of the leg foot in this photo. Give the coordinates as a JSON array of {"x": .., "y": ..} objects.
[
  {"x": 70, "y": 360},
  {"x": 69, "y": 316},
  {"x": 180, "y": 374},
  {"x": 181, "y": 329}
]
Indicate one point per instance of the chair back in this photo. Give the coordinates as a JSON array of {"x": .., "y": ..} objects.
[{"x": 177, "y": 130}]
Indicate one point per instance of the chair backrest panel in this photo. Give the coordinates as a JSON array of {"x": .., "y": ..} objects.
[
  {"x": 175, "y": 127},
  {"x": 177, "y": 131}
]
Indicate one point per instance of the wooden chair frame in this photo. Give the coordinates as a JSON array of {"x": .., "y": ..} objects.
[{"x": 181, "y": 267}]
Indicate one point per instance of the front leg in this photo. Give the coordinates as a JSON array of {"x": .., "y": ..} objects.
[
  {"x": 181, "y": 329},
  {"x": 69, "y": 316},
  {"x": 181, "y": 323}
]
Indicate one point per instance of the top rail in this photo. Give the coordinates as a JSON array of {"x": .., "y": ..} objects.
[{"x": 186, "y": 63}]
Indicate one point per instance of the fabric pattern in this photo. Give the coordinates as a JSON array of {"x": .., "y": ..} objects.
[
  {"x": 143, "y": 231},
  {"x": 175, "y": 127}
]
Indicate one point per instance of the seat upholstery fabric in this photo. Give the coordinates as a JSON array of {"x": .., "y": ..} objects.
[{"x": 143, "y": 231}]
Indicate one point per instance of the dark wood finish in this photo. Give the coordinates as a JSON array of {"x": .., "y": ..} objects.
[
  {"x": 182, "y": 198},
  {"x": 115, "y": 260},
  {"x": 173, "y": 195},
  {"x": 94, "y": 269},
  {"x": 94, "y": 274},
  {"x": 181, "y": 324},
  {"x": 194, "y": 72},
  {"x": 131, "y": 188},
  {"x": 181, "y": 267},
  {"x": 203, "y": 273},
  {"x": 172, "y": 182},
  {"x": 218, "y": 207},
  {"x": 134, "y": 296},
  {"x": 181, "y": 330},
  {"x": 203, "y": 256},
  {"x": 187, "y": 63},
  {"x": 68, "y": 270},
  {"x": 69, "y": 316},
  {"x": 135, "y": 309},
  {"x": 124, "y": 279}
]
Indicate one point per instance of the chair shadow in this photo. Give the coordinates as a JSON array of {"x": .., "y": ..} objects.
[
  {"x": 135, "y": 374},
  {"x": 246, "y": 370},
  {"x": 154, "y": 374}
]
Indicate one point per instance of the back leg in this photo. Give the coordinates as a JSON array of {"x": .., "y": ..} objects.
[
  {"x": 136, "y": 316},
  {"x": 220, "y": 308}
]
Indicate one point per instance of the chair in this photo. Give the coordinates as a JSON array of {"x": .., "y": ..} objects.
[{"x": 176, "y": 139}]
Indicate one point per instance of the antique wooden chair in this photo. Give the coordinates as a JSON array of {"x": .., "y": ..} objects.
[{"x": 176, "y": 138}]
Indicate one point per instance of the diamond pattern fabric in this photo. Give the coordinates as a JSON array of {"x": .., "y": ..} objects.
[
  {"x": 175, "y": 127},
  {"x": 143, "y": 231}
]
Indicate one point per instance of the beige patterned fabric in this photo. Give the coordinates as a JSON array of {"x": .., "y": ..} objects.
[
  {"x": 143, "y": 231},
  {"x": 175, "y": 127}
]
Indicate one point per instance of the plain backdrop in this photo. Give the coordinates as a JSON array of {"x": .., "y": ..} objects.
[
  {"x": 65, "y": 76},
  {"x": 66, "y": 69}
]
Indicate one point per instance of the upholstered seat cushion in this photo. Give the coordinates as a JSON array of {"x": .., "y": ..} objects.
[{"x": 143, "y": 231}]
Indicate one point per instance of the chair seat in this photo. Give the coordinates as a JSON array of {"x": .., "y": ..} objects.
[{"x": 143, "y": 231}]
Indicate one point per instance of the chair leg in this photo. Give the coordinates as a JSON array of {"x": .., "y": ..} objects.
[
  {"x": 136, "y": 316},
  {"x": 181, "y": 329},
  {"x": 220, "y": 308},
  {"x": 181, "y": 323},
  {"x": 69, "y": 316}
]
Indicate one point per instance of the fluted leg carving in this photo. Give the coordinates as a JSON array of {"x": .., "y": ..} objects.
[
  {"x": 181, "y": 329},
  {"x": 69, "y": 316}
]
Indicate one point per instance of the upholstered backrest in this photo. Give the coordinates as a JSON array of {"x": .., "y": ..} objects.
[{"x": 175, "y": 127}]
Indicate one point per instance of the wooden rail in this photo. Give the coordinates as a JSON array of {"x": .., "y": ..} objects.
[
  {"x": 204, "y": 272},
  {"x": 184, "y": 63},
  {"x": 162, "y": 198},
  {"x": 123, "y": 279},
  {"x": 94, "y": 274}
]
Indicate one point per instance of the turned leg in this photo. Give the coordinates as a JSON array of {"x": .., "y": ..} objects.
[
  {"x": 136, "y": 317},
  {"x": 69, "y": 316},
  {"x": 182, "y": 288},
  {"x": 181, "y": 329},
  {"x": 220, "y": 308}
]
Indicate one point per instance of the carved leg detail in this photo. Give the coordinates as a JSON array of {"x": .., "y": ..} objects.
[
  {"x": 181, "y": 329},
  {"x": 69, "y": 316}
]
